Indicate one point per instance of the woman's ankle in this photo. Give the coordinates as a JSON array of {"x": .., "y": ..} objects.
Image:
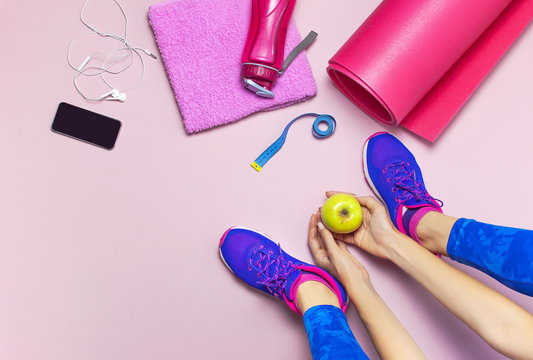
[
  {"x": 313, "y": 293},
  {"x": 433, "y": 230}
]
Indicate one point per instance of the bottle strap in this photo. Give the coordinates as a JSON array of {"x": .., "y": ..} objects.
[{"x": 304, "y": 44}]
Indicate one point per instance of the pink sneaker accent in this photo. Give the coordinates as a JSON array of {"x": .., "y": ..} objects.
[
  {"x": 304, "y": 278},
  {"x": 416, "y": 219},
  {"x": 324, "y": 277}
]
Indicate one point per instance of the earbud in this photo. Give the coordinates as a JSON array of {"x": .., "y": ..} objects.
[
  {"x": 114, "y": 95},
  {"x": 121, "y": 97}
]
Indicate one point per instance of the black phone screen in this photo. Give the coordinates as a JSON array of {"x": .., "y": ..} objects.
[{"x": 86, "y": 125}]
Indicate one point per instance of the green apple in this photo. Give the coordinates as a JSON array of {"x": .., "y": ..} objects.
[{"x": 342, "y": 214}]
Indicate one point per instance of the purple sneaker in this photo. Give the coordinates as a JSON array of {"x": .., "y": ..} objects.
[
  {"x": 394, "y": 176},
  {"x": 260, "y": 263}
]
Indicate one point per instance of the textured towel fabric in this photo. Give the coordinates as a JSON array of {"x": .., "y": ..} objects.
[{"x": 201, "y": 43}]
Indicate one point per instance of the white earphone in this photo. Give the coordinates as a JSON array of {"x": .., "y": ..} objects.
[
  {"x": 113, "y": 56},
  {"x": 114, "y": 94}
]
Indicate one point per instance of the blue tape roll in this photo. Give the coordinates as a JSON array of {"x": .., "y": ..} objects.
[
  {"x": 327, "y": 119},
  {"x": 317, "y": 132}
]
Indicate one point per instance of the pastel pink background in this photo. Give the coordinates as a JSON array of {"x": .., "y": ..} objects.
[{"x": 113, "y": 255}]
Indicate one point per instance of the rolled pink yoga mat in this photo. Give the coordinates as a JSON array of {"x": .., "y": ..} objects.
[{"x": 416, "y": 62}]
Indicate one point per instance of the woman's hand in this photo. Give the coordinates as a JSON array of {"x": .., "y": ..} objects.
[
  {"x": 333, "y": 255},
  {"x": 391, "y": 339},
  {"x": 376, "y": 231}
]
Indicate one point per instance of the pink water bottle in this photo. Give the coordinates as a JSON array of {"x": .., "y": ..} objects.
[{"x": 262, "y": 58}]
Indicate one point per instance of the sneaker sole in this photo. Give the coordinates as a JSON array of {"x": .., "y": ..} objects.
[
  {"x": 365, "y": 166},
  {"x": 224, "y": 260}
]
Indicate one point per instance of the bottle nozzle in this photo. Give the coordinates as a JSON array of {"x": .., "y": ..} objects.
[{"x": 258, "y": 89}]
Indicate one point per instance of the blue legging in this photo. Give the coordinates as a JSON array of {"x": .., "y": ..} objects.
[
  {"x": 330, "y": 337},
  {"x": 504, "y": 253}
]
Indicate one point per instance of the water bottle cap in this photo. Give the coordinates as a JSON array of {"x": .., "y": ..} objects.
[{"x": 262, "y": 75}]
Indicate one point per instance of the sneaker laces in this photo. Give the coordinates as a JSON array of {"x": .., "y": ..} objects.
[
  {"x": 406, "y": 184},
  {"x": 275, "y": 280}
]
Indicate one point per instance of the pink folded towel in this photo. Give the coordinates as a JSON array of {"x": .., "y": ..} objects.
[{"x": 201, "y": 43}]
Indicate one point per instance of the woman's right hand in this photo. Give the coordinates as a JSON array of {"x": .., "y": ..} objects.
[
  {"x": 333, "y": 255},
  {"x": 376, "y": 232}
]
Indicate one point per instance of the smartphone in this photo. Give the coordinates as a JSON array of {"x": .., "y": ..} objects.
[{"x": 86, "y": 126}]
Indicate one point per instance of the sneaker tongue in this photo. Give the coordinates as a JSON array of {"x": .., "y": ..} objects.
[
  {"x": 414, "y": 203},
  {"x": 260, "y": 260},
  {"x": 291, "y": 280},
  {"x": 409, "y": 187},
  {"x": 276, "y": 273}
]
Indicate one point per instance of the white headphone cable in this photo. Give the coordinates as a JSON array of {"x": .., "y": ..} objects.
[{"x": 115, "y": 55}]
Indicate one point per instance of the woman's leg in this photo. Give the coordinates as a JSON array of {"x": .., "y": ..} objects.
[
  {"x": 329, "y": 334},
  {"x": 504, "y": 253}
]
